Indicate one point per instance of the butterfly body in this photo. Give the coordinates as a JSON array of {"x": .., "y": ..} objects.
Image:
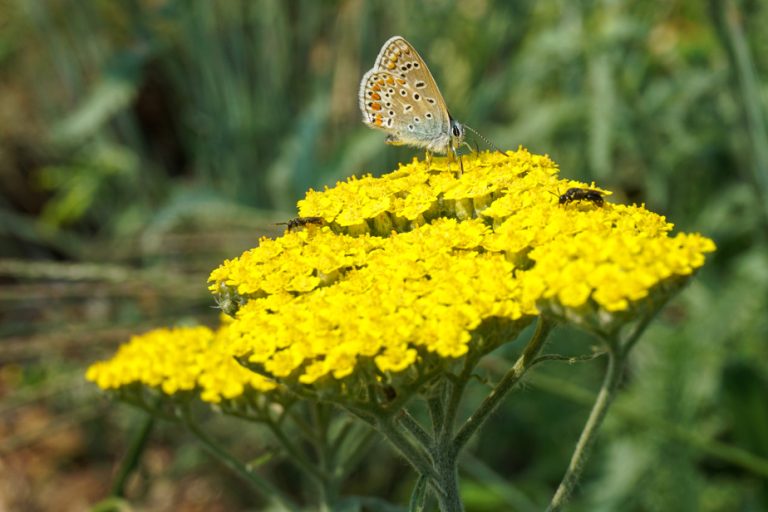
[{"x": 400, "y": 97}]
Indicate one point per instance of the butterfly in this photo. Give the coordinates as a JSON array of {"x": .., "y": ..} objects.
[{"x": 400, "y": 97}]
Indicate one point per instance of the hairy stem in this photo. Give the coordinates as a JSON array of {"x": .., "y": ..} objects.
[
  {"x": 617, "y": 357},
  {"x": 512, "y": 377},
  {"x": 138, "y": 443},
  {"x": 262, "y": 486},
  {"x": 589, "y": 433}
]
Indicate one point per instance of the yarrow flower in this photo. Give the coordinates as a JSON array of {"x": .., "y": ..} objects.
[
  {"x": 410, "y": 273},
  {"x": 177, "y": 361},
  {"x": 418, "y": 267}
]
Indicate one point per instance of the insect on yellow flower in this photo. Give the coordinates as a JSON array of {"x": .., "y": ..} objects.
[
  {"x": 301, "y": 222},
  {"x": 581, "y": 194}
]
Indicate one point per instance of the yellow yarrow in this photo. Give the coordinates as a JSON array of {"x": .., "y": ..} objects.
[
  {"x": 176, "y": 360},
  {"x": 411, "y": 265},
  {"x": 411, "y": 272},
  {"x": 418, "y": 294}
]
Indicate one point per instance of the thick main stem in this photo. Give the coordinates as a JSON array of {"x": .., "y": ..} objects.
[
  {"x": 448, "y": 475},
  {"x": 447, "y": 445},
  {"x": 444, "y": 455},
  {"x": 326, "y": 485}
]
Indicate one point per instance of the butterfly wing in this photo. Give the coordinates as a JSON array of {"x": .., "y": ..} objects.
[{"x": 400, "y": 96}]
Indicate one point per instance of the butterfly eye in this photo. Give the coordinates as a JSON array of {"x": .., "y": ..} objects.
[{"x": 456, "y": 130}]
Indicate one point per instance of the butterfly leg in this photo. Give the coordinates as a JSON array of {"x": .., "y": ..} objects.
[
  {"x": 428, "y": 159},
  {"x": 453, "y": 155},
  {"x": 472, "y": 149}
]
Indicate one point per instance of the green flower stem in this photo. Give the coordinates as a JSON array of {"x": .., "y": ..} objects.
[
  {"x": 586, "y": 440},
  {"x": 327, "y": 487},
  {"x": 448, "y": 475},
  {"x": 400, "y": 401},
  {"x": 568, "y": 359},
  {"x": 261, "y": 485},
  {"x": 443, "y": 446},
  {"x": 455, "y": 393},
  {"x": 728, "y": 453},
  {"x": 512, "y": 377},
  {"x": 419, "y": 494},
  {"x": 343, "y": 435},
  {"x": 296, "y": 456},
  {"x": 357, "y": 453},
  {"x": 436, "y": 412},
  {"x": 413, "y": 454},
  {"x": 307, "y": 432},
  {"x": 443, "y": 453},
  {"x": 132, "y": 458},
  {"x": 413, "y": 427},
  {"x": 617, "y": 357}
]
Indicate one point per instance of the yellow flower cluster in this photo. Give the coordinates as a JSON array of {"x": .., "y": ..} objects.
[
  {"x": 409, "y": 265},
  {"x": 182, "y": 359},
  {"x": 412, "y": 271},
  {"x": 292, "y": 265},
  {"x": 418, "y": 193},
  {"x": 417, "y": 294}
]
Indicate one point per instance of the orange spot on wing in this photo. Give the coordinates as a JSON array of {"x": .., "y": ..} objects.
[
  {"x": 376, "y": 88},
  {"x": 390, "y": 80},
  {"x": 377, "y": 120},
  {"x": 375, "y": 106},
  {"x": 375, "y": 96},
  {"x": 401, "y": 81},
  {"x": 391, "y": 65}
]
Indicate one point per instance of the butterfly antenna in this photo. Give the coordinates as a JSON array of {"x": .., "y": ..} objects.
[{"x": 484, "y": 139}]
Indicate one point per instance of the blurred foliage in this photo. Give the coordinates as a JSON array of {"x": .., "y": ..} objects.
[{"x": 142, "y": 142}]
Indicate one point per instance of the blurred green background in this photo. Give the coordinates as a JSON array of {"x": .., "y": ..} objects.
[{"x": 144, "y": 141}]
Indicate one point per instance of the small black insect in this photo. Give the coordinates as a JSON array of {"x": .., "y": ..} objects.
[
  {"x": 390, "y": 393},
  {"x": 581, "y": 194},
  {"x": 302, "y": 221}
]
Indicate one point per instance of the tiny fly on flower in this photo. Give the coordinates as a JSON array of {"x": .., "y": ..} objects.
[
  {"x": 301, "y": 222},
  {"x": 581, "y": 194}
]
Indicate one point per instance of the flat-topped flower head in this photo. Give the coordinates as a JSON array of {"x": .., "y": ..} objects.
[
  {"x": 416, "y": 297},
  {"x": 421, "y": 267},
  {"x": 182, "y": 361}
]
